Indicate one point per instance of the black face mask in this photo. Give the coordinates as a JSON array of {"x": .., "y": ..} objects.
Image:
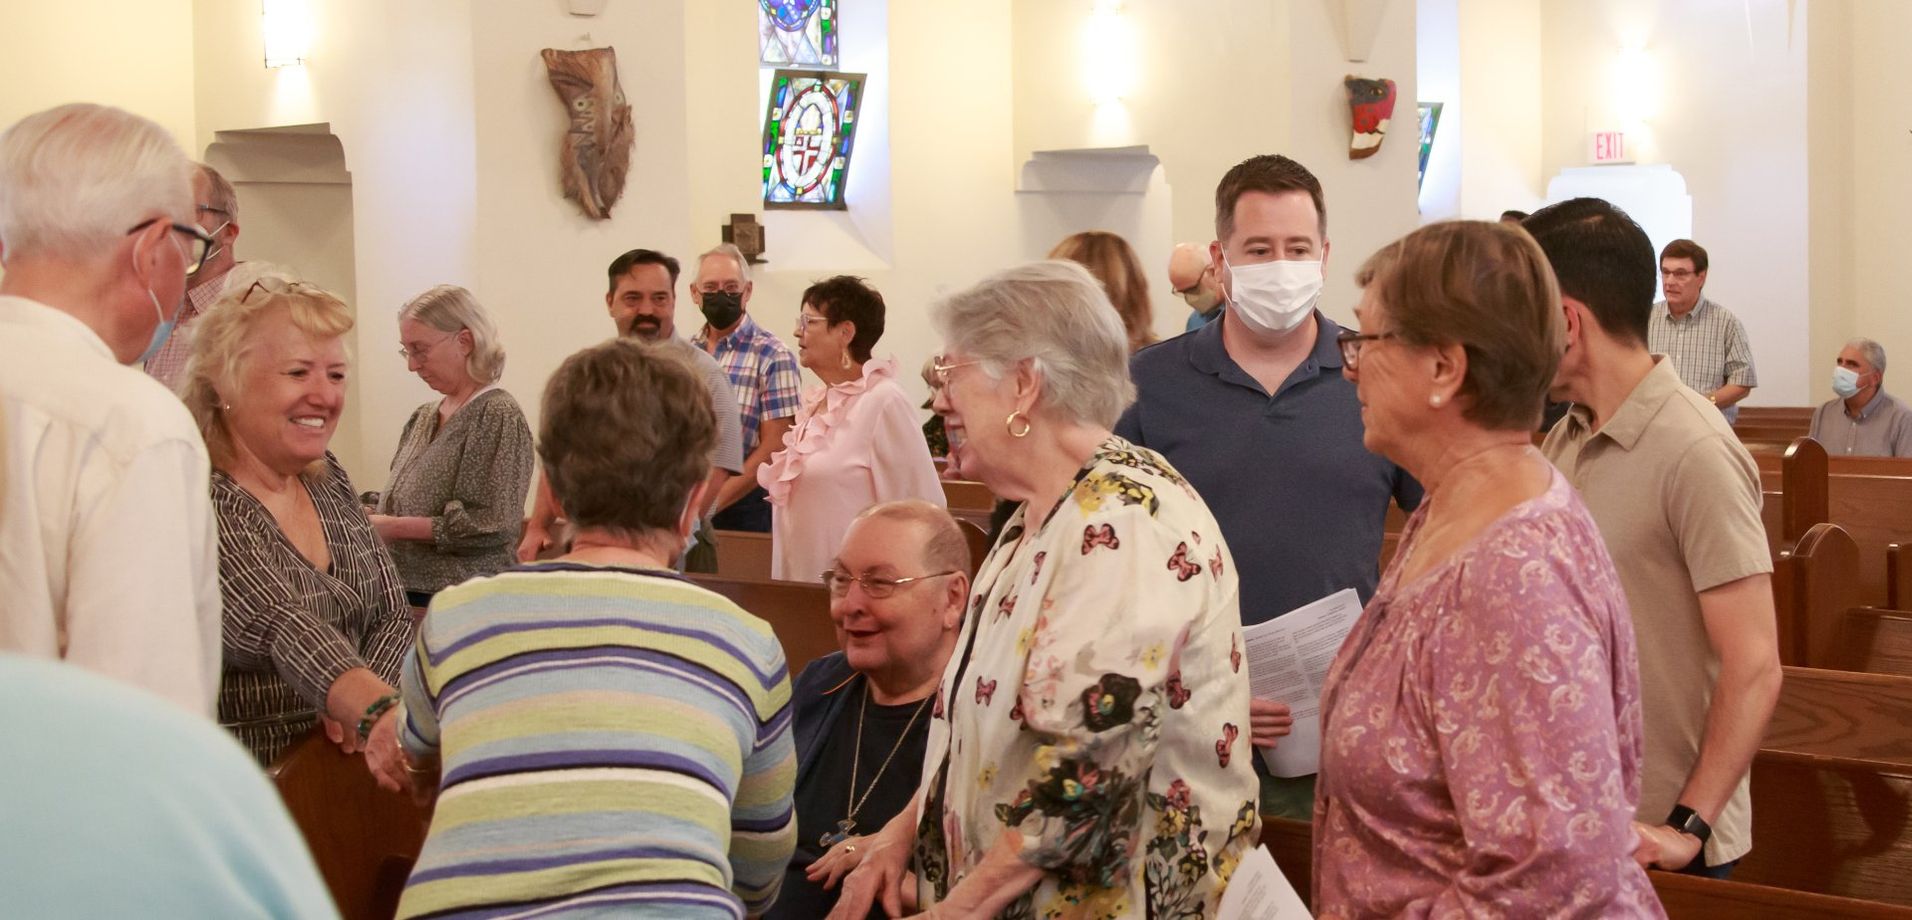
[{"x": 722, "y": 308}]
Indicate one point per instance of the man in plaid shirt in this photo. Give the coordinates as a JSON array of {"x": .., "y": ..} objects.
[
  {"x": 1707, "y": 344},
  {"x": 762, "y": 372},
  {"x": 216, "y": 209}
]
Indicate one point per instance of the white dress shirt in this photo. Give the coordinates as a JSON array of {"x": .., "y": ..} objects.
[{"x": 108, "y": 556}]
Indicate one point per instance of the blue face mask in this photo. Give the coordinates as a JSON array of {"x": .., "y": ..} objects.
[
  {"x": 1845, "y": 381},
  {"x": 161, "y": 332}
]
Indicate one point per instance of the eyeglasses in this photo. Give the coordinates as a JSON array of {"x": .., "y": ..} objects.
[
  {"x": 806, "y": 320},
  {"x": 271, "y": 286},
  {"x": 1680, "y": 274},
  {"x": 1351, "y": 343},
  {"x": 201, "y": 240},
  {"x": 942, "y": 370},
  {"x": 838, "y": 581},
  {"x": 409, "y": 352}
]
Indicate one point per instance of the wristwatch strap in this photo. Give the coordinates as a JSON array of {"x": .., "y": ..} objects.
[{"x": 1687, "y": 821}]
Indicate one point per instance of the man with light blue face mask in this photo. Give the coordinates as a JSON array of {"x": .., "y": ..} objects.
[
  {"x": 1863, "y": 421},
  {"x": 107, "y": 549},
  {"x": 1254, "y": 411}
]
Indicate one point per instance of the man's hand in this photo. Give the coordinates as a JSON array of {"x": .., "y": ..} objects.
[
  {"x": 1662, "y": 847},
  {"x": 1269, "y": 722}
]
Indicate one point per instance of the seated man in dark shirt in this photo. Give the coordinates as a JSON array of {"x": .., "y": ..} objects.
[{"x": 862, "y": 715}]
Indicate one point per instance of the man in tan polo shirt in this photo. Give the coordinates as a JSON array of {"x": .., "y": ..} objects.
[{"x": 1677, "y": 499}]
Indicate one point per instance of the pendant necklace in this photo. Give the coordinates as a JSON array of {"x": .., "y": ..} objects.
[{"x": 848, "y": 824}]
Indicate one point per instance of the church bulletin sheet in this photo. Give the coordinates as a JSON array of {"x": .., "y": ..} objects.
[{"x": 1288, "y": 659}]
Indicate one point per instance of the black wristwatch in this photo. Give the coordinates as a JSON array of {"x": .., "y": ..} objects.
[{"x": 1687, "y": 821}]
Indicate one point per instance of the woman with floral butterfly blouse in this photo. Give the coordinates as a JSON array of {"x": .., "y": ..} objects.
[{"x": 1088, "y": 745}]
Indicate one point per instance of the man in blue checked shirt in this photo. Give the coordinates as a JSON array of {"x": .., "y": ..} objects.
[{"x": 762, "y": 372}]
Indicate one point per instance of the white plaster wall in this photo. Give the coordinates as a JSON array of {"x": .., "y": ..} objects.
[
  {"x": 1500, "y": 64},
  {"x": 134, "y": 54},
  {"x": 395, "y": 82},
  {"x": 1731, "y": 117}
]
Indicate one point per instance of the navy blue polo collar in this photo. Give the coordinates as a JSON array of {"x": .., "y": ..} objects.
[{"x": 1207, "y": 353}]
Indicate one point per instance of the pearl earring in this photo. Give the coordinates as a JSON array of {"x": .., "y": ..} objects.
[{"x": 1434, "y": 400}]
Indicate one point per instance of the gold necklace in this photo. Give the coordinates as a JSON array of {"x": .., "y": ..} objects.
[{"x": 843, "y": 827}]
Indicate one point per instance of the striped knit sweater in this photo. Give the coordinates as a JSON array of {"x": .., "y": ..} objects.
[{"x": 614, "y": 742}]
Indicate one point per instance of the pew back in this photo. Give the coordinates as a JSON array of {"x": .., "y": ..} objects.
[
  {"x": 363, "y": 838},
  {"x": 797, "y": 612},
  {"x": 742, "y": 554},
  {"x": 1875, "y": 640},
  {"x": 1812, "y": 588}
]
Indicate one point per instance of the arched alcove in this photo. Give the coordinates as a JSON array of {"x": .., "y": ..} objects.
[
  {"x": 295, "y": 210},
  {"x": 1123, "y": 190}
]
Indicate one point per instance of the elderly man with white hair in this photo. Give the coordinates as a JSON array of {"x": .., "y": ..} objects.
[
  {"x": 1863, "y": 421},
  {"x": 107, "y": 547}
]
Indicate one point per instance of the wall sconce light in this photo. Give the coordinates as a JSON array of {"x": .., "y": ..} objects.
[
  {"x": 1636, "y": 86},
  {"x": 1110, "y": 53},
  {"x": 288, "y": 32}
]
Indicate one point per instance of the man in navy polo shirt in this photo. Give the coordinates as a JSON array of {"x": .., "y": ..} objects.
[{"x": 1253, "y": 410}]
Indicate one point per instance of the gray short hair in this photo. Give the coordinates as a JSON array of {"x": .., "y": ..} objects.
[
  {"x": 1055, "y": 314},
  {"x": 75, "y": 178},
  {"x": 219, "y": 193},
  {"x": 945, "y": 550},
  {"x": 450, "y": 308},
  {"x": 728, "y": 251},
  {"x": 1874, "y": 353}
]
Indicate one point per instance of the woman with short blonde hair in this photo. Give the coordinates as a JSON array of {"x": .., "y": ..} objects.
[
  {"x": 455, "y": 504},
  {"x": 315, "y": 618}
]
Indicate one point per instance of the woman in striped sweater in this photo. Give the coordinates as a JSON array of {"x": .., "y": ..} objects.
[{"x": 612, "y": 739}]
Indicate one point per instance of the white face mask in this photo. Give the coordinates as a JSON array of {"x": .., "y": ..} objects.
[
  {"x": 1845, "y": 381},
  {"x": 1274, "y": 297}
]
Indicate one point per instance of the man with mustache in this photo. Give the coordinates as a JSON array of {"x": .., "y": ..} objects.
[{"x": 642, "y": 301}]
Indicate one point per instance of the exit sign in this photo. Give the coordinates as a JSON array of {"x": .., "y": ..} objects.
[{"x": 1610, "y": 147}]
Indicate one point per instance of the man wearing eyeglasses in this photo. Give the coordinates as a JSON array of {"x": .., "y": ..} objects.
[
  {"x": 216, "y": 209},
  {"x": 1706, "y": 343},
  {"x": 1193, "y": 279},
  {"x": 107, "y": 547}
]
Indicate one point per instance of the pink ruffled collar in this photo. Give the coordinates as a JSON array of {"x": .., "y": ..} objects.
[{"x": 823, "y": 411}]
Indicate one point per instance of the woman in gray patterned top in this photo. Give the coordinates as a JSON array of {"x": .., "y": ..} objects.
[
  {"x": 315, "y": 618},
  {"x": 455, "y": 504}
]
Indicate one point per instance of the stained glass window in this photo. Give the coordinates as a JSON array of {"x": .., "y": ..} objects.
[
  {"x": 1430, "y": 122},
  {"x": 797, "y": 32},
  {"x": 809, "y": 129}
]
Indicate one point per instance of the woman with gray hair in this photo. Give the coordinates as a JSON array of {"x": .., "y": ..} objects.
[
  {"x": 1087, "y": 749},
  {"x": 455, "y": 502}
]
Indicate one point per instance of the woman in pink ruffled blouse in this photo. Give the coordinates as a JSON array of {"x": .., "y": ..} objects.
[
  {"x": 857, "y": 440},
  {"x": 1480, "y": 736}
]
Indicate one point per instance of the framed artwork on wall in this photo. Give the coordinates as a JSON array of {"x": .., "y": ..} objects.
[
  {"x": 1430, "y": 122},
  {"x": 800, "y": 32},
  {"x": 809, "y": 132}
]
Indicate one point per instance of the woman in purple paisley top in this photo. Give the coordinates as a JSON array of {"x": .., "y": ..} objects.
[
  {"x": 1480, "y": 729},
  {"x": 1088, "y": 750}
]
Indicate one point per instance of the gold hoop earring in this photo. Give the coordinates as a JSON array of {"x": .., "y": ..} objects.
[{"x": 1010, "y": 423}]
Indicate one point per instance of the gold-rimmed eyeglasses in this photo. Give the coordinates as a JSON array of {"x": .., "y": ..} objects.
[
  {"x": 940, "y": 367},
  {"x": 419, "y": 351},
  {"x": 838, "y": 581}
]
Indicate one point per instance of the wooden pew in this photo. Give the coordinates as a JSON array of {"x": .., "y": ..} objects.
[
  {"x": 971, "y": 502},
  {"x": 1832, "y": 788},
  {"x": 799, "y": 613},
  {"x": 1812, "y": 588},
  {"x": 742, "y": 554},
  {"x": 1684, "y": 897},
  {"x": 1871, "y": 497},
  {"x": 1898, "y": 576},
  {"x": 363, "y": 838},
  {"x": 1874, "y": 640}
]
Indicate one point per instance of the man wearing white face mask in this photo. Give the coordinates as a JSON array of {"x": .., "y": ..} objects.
[
  {"x": 1254, "y": 411},
  {"x": 107, "y": 549},
  {"x": 1863, "y": 421}
]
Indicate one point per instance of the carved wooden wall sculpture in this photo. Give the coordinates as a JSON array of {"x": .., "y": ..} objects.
[
  {"x": 596, "y": 154},
  {"x": 1371, "y": 102}
]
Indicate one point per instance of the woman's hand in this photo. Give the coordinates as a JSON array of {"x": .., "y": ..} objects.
[
  {"x": 536, "y": 541},
  {"x": 837, "y": 862},
  {"x": 1269, "y": 722},
  {"x": 882, "y": 862},
  {"x": 382, "y": 754},
  {"x": 1659, "y": 846}
]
